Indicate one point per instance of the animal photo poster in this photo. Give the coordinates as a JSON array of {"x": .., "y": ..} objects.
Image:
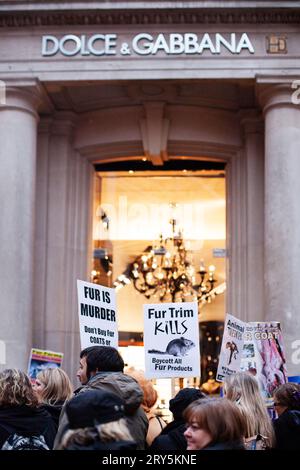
[
  {"x": 40, "y": 360},
  {"x": 263, "y": 355},
  {"x": 171, "y": 340},
  {"x": 232, "y": 347}
]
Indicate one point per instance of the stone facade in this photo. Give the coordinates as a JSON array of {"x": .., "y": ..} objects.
[{"x": 63, "y": 113}]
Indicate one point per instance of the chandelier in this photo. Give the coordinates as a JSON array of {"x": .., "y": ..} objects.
[{"x": 165, "y": 272}]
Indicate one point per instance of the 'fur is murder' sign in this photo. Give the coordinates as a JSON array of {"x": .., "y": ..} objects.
[{"x": 97, "y": 315}]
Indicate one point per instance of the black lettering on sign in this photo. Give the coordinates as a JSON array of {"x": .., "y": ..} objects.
[
  {"x": 173, "y": 327},
  {"x": 91, "y": 293},
  {"x": 95, "y": 312},
  {"x": 105, "y": 297}
]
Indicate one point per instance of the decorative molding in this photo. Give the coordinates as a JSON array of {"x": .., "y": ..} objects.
[
  {"x": 154, "y": 130},
  {"x": 153, "y": 16}
]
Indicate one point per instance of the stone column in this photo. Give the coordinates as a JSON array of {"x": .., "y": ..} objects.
[
  {"x": 282, "y": 216},
  {"x": 18, "y": 135},
  {"x": 254, "y": 259},
  {"x": 63, "y": 231}
]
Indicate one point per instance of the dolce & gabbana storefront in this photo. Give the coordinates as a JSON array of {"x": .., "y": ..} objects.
[{"x": 121, "y": 121}]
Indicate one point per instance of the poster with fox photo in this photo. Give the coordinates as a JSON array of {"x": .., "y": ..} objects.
[
  {"x": 171, "y": 340},
  {"x": 232, "y": 347},
  {"x": 263, "y": 355}
]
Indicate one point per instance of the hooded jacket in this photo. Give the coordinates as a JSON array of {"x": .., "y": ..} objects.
[
  {"x": 26, "y": 421},
  {"x": 129, "y": 390}
]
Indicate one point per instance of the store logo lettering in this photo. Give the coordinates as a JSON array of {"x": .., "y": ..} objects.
[{"x": 145, "y": 44}]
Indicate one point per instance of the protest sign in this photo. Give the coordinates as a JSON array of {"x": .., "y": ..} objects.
[
  {"x": 171, "y": 340},
  {"x": 232, "y": 347},
  {"x": 263, "y": 355},
  {"x": 40, "y": 359},
  {"x": 97, "y": 315}
]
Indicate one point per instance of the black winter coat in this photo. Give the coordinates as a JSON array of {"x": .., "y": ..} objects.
[
  {"x": 26, "y": 421},
  {"x": 171, "y": 438},
  {"x": 287, "y": 430}
]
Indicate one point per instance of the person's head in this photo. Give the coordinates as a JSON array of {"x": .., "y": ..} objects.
[
  {"x": 183, "y": 399},
  {"x": 287, "y": 397},
  {"x": 95, "y": 413},
  {"x": 150, "y": 395},
  {"x": 98, "y": 359},
  {"x": 93, "y": 407},
  {"x": 213, "y": 421},
  {"x": 16, "y": 389},
  {"x": 52, "y": 386},
  {"x": 241, "y": 386},
  {"x": 243, "y": 389}
]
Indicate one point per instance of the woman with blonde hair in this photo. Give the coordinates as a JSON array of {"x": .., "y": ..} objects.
[
  {"x": 243, "y": 389},
  {"x": 24, "y": 424},
  {"x": 52, "y": 388},
  {"x": 150, "y": 395}
]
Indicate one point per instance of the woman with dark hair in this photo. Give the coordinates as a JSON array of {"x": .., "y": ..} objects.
[
  {"x": 214, "y": 424},
  {"x": 287, "y": 426},
  {"x": 23, "y": 423}
]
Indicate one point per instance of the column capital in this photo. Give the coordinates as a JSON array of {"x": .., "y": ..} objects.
[
  {"x": 22, "y": 95},
  {"x": 275, "y": 95}
]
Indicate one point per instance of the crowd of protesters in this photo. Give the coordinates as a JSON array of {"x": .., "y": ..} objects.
[{"x": 113, "y": 410}]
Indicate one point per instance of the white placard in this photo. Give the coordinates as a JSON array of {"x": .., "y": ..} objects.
[
  {"x": 171, "y": 340},
  {"x": 232, "y": 347},
  {"x": 97, "y": 315}
]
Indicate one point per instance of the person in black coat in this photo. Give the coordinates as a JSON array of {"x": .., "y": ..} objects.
[
  {"x": 287, "y": 426},
  {"x": 96, "y": 422},
  {"x": 20, "y": 413},
  {"x": 172, "y": 436}
]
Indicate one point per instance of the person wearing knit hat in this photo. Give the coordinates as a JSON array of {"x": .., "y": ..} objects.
[
  {"x": 96, "y": 422},
  {"x": 171, "y": 437},
  {"x": 182, "y": 400},
  {"x": 94, "y": 407}
]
